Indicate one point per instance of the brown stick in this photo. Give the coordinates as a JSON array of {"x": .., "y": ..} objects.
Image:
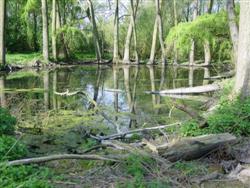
[{"x": 38, "y": 160}]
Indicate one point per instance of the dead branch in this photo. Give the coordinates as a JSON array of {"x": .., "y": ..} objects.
[
  {"x": 122, "y": 135},
  {"x": 38, "y": 160}
]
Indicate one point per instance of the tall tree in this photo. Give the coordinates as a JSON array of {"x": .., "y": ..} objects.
[
  {"x": 116, "y": 33},
  {"x": 2, "y": 31},
  {"x": 210, "y": 6},
  {"x": 134, "y": 30},
  {"x": 234, "y": 31},
  {"x": 53, "y": 24},
  {"x": 242, "y": 84},
  {"x": 157, "y": 28},
  {"x": 95, "y": 31},
  {"x": 192, "y": 49},
  {"x": 126, "y": 57},
  {"x": 175, "y": 24},
  {"x": 45, "y": 31}
]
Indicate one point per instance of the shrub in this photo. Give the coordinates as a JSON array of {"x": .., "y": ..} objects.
[
  {"x": 11, "y": 149},
  {"x": 7, "y": 122},
  {"x": 232, "y": 117},
  {"x": 24, "y": 176}
]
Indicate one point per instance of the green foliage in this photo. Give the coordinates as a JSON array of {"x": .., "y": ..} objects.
[
  {"x": 24, "y": 176},
  {"x": 23, "y": 59},
  {"x": 7, "y": 122},
  {"x": 230, "y": 116},
  {"x": 209, "y": 27},
  {"x": 11, "y": 149}
]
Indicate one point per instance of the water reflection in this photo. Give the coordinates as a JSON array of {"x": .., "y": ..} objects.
[{"x": 121, "y": 89}]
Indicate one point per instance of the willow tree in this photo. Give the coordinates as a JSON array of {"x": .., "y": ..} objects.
[
  {"x": 158, "y": 28},
  {"x": 126, "y": 57},
  {"x": 192, "y": 49},
  {"x": 91, "y": 15},
  {"x": 234, "y": 31},
  {"x": 116, "y": 33},
  {"x": 242, "y": 84},
  {"x": 2, "y": 31},
  {"x": 45, "y": 31}
]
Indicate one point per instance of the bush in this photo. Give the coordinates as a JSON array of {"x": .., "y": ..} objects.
[
  {"x": 232, "y": 117},
  {"x": 24, "y": 176},
  {"x": 7, "y": 122},
  {"x": 11, "y": 149}
]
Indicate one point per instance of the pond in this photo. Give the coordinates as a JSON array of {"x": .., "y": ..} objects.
[{"x": 57, "y": 123}]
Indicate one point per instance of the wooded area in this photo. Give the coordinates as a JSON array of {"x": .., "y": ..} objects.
[{"x": 124, "y": 93}]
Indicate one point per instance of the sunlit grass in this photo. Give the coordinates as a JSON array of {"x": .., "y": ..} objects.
[{"x": 22, "y": 59}]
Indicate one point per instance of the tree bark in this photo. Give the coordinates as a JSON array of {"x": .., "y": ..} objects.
[
  {"x": 210, "y": 7},
  {"x": 2, "y": 31},
  {"x": 242, "y": 84},
  {"x": 191, "y": 148},
  {"x": 54, "y": 18},
  {"x": 153, "y": 46},
  {"x": 126, "y": 58},
  {"x": 45, "y": 31},
  {"x": 95, "y": 32},
  {"x": 192, "y": 49},
  {"x": 157, "y": 27},
  {"x": 116, "y": 33},
  {"x": 134, "y": 29},
  {"x": 175, "y": 24},
  {"x": 207, "y": 52},
  {"x": 234, "y": 31},
  {"x": 2, "y": 93}
]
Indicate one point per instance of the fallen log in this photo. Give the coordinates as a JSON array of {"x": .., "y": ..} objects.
[
  {"x": 191, "y": 147},
  {"x": 38, "y": 160},
  {"x": 189, "y": 90},
  {"x": 199, "y": 98},
  {"x": 222, "y": 76}
]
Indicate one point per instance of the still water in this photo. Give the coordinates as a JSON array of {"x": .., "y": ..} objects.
[{"x": 120, "y": 92}]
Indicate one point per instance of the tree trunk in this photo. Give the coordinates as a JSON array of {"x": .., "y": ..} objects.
[
  {"x": 46, "y": 90},
  {"x": 134, "y": 29},
  {"x": 54, "y": 49},
  {"x": 242, "y": 84},
  {"x": 116, "y": 33},
  {"x": 2, "y": 93},
  {"x": 207, "y": 52},
  {"x": 45, "y": 31},
  {"x": 234, "y": 31},
  {"x": 2, "y": 31},
  {"x": 157, "y": 26},
  {"x": 153, "y": 47},
  {"x": 175, "y": 24},
  {"x": 210, "y": 7},
  {"x": 126, "y": 58},
  {"x": 95, "y": 32},
  {"x": 192, "y": 49},
  {"x": 160, "y": 26}
]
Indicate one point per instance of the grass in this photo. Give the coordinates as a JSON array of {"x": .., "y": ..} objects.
[{"x": 22, "y": 59}]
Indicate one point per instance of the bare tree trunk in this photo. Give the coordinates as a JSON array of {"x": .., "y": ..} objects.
[
  {"x": 126, "y": 58},
  {"x": 95, "y": 32},
  {"x": 153, "y": 47},
  {"x": 46, "y": 90},
  {"x": 116, "y": 33},
  {"x": 45, "y": 31},
  {"x": 157, "y": 26},
  {"x": 54, "y": 49},
  {"x": 2, "y": 93},
  {"x": 234, "y": 31},
  {"x": 2, "y": 31},
  {"x": 191, "y": 77},
  {"x": 159, "y": 20},
  {"x": 152, "y": 80},
  {"x": 210, "y": 7},
  {"x": 134, "y": 30},
  {"x": 207, "y": 52},
  {"x": 192, "y": 49},
  {"x": 55, "y": 90},
  {"x": 242, "y": 84},
  {"x": 175, "y": 23}
]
